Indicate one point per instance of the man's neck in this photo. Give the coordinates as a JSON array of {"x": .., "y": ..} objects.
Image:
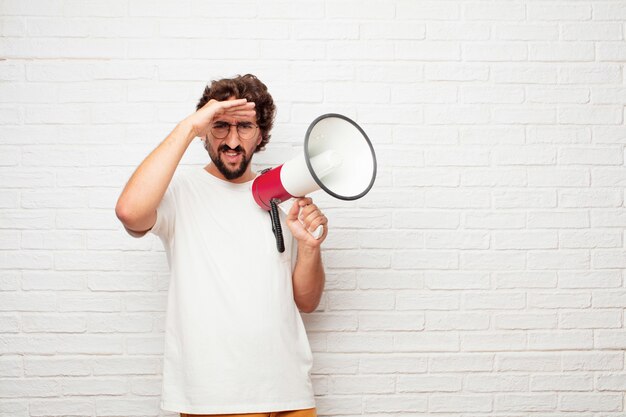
[{"x": 247, "y": 176}]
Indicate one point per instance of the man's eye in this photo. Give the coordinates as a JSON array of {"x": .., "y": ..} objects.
[
  {"x": 245, "y": 126},
  {"x": 220, "y": 125}
]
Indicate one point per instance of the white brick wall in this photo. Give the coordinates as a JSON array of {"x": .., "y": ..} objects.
[{"x": 482, "y": 276}]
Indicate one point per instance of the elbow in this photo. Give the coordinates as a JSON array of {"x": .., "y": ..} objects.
[
  {"x": 307, "y": 307},
  {"x": 122, "y": 212},
  {"x": 127, "y": 215}
]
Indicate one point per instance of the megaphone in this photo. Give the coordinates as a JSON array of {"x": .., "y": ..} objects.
[{"x": 338, "y": 158}]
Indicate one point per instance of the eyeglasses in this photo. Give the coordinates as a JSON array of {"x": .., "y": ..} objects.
[{"x": 245, "y": 130}]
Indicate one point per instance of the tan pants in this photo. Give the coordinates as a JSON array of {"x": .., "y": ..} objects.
[{"x": 309, "y": 412}]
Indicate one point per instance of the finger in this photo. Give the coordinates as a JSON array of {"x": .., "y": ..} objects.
[
  {"x": 308, "y": 220},
  {"x": 320, "y": 221},
  {"x": 244, "y": 107},
  {"x": 293, "y": 212},
  {"x": 234, "y": 103},
  {"x": 307, "y": 210},
  {"x": 305, "y": 201},
  {"x": 240, "y": 114}
]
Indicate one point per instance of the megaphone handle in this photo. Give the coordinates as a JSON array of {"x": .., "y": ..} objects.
[{"x": 276, "y": 228}]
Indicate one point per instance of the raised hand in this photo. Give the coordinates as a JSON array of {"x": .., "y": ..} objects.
[{"x": 231, "y": 109}]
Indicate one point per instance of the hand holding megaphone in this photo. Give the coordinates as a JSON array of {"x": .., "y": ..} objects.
[
  {"x": 338, "y": 158},
  {"x": 306, "y": 221}
]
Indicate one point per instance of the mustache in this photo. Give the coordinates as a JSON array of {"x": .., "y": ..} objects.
[{"x": 225, "y": 148}]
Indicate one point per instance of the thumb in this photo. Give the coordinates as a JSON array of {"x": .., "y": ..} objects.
[{"x": 295, "y": 209}]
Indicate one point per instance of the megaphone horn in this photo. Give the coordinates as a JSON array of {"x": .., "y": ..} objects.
[{"x": 338, "y": 157}]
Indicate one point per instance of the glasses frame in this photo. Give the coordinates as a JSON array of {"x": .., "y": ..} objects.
[{"x": 230, "y": 125}]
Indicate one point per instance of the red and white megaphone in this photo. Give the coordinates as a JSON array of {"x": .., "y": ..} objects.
[{"x": 338, "y": 158}]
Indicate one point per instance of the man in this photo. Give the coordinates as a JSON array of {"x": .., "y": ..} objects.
[{"x": 234, "y": 339}]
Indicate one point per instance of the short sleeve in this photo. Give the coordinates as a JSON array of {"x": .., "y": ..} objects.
[{"x": 166, "y": 214}]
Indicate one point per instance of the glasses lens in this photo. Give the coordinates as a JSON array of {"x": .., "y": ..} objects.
[
  {"x": 220, "y": 130},
  {"x": 246, "y": 130}
]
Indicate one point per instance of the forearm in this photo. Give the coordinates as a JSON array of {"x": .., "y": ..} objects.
[
  {"x": 146, "y": 187},
  {"x": 308, "y": 278}
]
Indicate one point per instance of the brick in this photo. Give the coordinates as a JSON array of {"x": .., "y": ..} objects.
[
  {"x": 426, "y": 342},
  {"x": 494, "y": 52},
  {"x": 65, "y": 323},
  {"x": 561, "y": 51},
  {"x": 114, "y": 323},
  {"x": 125, "y": 365},
  {"x": 525, "y": 321},
  {"x": 456, "y": 71},
  {"x": 525, "y": 402},
  {"x": 593, "y": 361},
  {"x": 524, "y": 74},
  {"x": 427, "y": 10},
  {"x": 497, "y": 383},
  {"x": 526, "y": 32},
  {"x": 28, "y": 387},
  {"x": 412, "y": 300},
  {"x": 457, "y": 31},
  {"x": 127, "y": 407},
  {"x": 389, "y": 322},
  {"x": 396, "y": 403},
  {"x": 11, "y": 367},
  {"x": 461, "y": 362},
  {"x": 524, "y": 115},
  {"x": 492, "y": 342},
  {"x": 591, "y": 320},
  {"x": 593, "y": 279},
  {"x": 456, "y": 321},
  {"x": 459, "y": 403},
  {"x": 528, "y": 361},
  {"x": 555, "y": 11},
  {"x": 611, "y": 382},
  {"x": 610, "y": 51},
  {"x": 525, "y": 240},
  {"x": 610, "y": 339},
  {"x": 492, "y": 260},
  {"x": 427, "y": 50},
  {"x": 367, "y": 300},
  {"x": 591, "y": 31},
  {"x": 559, "y": 134},
  {"x": 562, "y": 259},
  {"x": 494, "y": 301},
  {"x": 590, "y": 198},
  {"x": 560, "y": 340},
  {"x": 345, "y": 385},
  {"x": 591, "y": 402},
  {"x": 346, "y": 342},
  {"x": 580, "y": 299},
  {"x": 494, "y": 220},
  {"x": 524, "y": 199},
  {"x": 385, "y": 364},
  {"x": 569, "y": 95},
  {"x": 62, "y": 407},
  {"x": 429, "y": 383},
  {"x": 596, "y": 115}
]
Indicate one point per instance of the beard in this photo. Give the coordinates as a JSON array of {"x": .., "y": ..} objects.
[{"x": 225, "y": 169}]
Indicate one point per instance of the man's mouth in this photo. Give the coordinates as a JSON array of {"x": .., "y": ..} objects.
[{"x": 231, "y": 156}]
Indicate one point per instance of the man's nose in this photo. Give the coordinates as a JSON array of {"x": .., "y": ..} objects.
[{"x": 232, "y": 139}]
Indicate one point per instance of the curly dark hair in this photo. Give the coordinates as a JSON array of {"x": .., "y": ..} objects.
[{"x": 251, "y": 88}]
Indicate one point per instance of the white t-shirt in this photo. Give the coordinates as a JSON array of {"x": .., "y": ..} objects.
[{"x": 234, "y": 338}]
